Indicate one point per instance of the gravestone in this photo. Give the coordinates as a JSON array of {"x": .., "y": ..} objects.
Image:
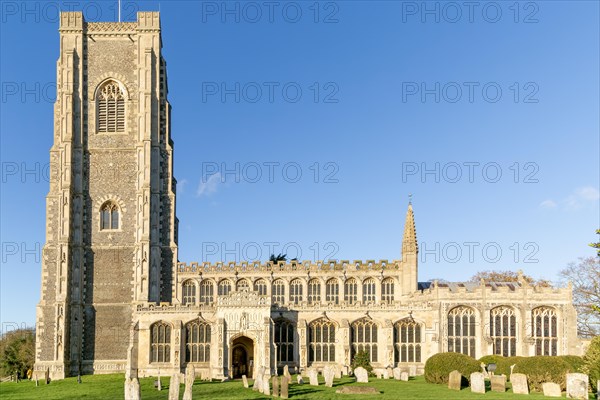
[
  {"x": 484, "y": 371},
  {"x": 577, "y": 386},
  {"x": 386, "y": 374},
  {"x": 519, "y": 383},
  {"x": 266, "y": 386},
  {"x": 275, "y": 381},
  {"x": 190, "y": 376},
  {"x": 286, "y": 372},
  {"x": 404, "y": 376},
  {"x": 300, "y": 380},
  {"x": 174, "y": 387},
  {"x": 357, "y": 390},
  {"x": 477, "y": 382},
  {"x": 338, "y": 372},
  {"x": 498, "y": 383},
  {"x": 158, "y": 383},
  {"x": 362, "y": 376},
  {"x": 132, "y": 389},
  {"x": 328, "y": 374},
  {"x": 412, "y": 370},
  {"x": 551, "y": 389},
  {"x": 397, "y": 372},
  {"x": 285, "y": 382},
  {"x": 313, "y": 377},
  {"x": 47, "y": 376},
  {"x": 258, "y": 379},
  {"x": 378, "y": 374},
  {"x": 245, "y": 381},
  {"x": 511, "y": 368},
  {"x": 454, "y": 380}
]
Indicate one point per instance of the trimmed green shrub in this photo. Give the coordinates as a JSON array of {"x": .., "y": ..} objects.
[
  {"x": 502, "y": 363},
  {"x": 439, "y": 366},
  {"x": 362, "y": 359},
  {"x": 591, "y": 363},
  {"x": 540, "y": 369},
  {"x": 575, "y": 362}
]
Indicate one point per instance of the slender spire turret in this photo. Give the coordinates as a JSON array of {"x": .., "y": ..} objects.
[{"x": 409, "y": 239}]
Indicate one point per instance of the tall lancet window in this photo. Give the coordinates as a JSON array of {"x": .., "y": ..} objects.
[{"x": 110, "y": 103}]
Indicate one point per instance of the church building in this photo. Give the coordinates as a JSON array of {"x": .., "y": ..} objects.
[{"x": 115, "y": 297}]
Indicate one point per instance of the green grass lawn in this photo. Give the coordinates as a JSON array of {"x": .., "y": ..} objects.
[{"x": 111, "y": 387}]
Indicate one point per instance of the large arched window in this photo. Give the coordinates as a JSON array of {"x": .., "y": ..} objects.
[
  {"x": 503, "y": 331},
  {"x": 260, "y": 286},
  {"x": 461, "y": 330},
  {"x": 197, "y": 342},
  {"x": 109, "y": 216},
  {"x": 314, "y": 291},
  {"x": 350, "y": 291},
  {"x": 363, "y": 337},
  {"x": 110, "y": 103},
  {"x": 243, "y": 285},
  {"x": 407, "y": 341},
  {"x": 278, "y": 292},
  {"x": 321, "y": 341},
  {"x": 387, "y": 290},
  {"x": 188, "y": 292},
  {"x": 207, "y": 292},
  {"x": 224, "y": 287},
  {"x": 296, "y": 291},
  {"x": 544, "y": 331},
  {"x": 368, "y": 288},
  {"x": 332, "y": 291},
  {"x": 284, "y": 340},
  {"x": 160, "y": 342}
]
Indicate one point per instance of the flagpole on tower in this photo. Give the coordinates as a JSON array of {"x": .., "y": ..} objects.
[{"x": 119, "y": 10}]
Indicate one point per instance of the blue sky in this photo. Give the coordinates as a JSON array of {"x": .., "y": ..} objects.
[{"x": 369, "y": 102}]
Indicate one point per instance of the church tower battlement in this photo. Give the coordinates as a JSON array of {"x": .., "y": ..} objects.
[{"x": 111, "y": 231}]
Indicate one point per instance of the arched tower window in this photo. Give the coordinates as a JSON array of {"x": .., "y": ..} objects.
[
  {"x": 260, "y": 286},
  {"x": 278, "y": 291},
  {"x": 296, "y": 291},
  {"x": 321, "y": 341},
  {"x": 387, "y": 290},
  {"x": 368, "y": 290},
  {"x": 407, "y": 341},
  {"x": 461, "y": 330},
  {"x": 206, "y": 292},
  {"x": 197, "y": 341},
  {"x": 110, "y": 103},
  {"x": 109, "y": 216},
  {"x": 224, "y": 287},
  {"x": 503, "y": 331},
  {"x": 188, "y": 292},
  {"x": 284, "y": 340},
  {"x": 314, "y": 291},
  {"x": 332, "y": 291},
  {"x": 160, "y": 342},
  {"x": 545, "y": 332},
  {"x": 363, "y": 337},
  {"x": 350, "y": 291}
]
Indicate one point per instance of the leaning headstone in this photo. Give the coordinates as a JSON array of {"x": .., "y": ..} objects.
[
  {"x": 511, "y": 369},
  {"x": 455, "y": 380},
  {"x": 498, "y": 383},
  {"x": 174, "y": 387},
  {"x": 362, "y": 376},
  {"x": 477, "y": 382},
  {"x": 404, "y": 376},
  {"x": 328, "y": 374},
  {"x": 190, "y": 376},
  {"x": 519, "y": 383},
  {"x": 299, "y": 380},
  {"x": 286, "y": 372},
  {"x": 285, "y": 388},
  {"x": 245, "y": 381},
  {"x": 412, "y": 370},
  {"x": 266, "y": 387},
  {"x": 313, "y": 378},
  {"x": 577, "y": 386},
  {"x": 275, "y": 381},
  {"x": 357, "y": 390},
  {"x": 132, "y": 389},
  {"x": 551, "y": 389},
  {"x": 397, "y": 373}
]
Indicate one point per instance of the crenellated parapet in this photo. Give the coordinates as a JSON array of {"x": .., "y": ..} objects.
[{"x": 195, "y": 268}]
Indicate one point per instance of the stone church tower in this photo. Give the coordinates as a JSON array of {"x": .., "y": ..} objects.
[{"x": 111, "y": 229}]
